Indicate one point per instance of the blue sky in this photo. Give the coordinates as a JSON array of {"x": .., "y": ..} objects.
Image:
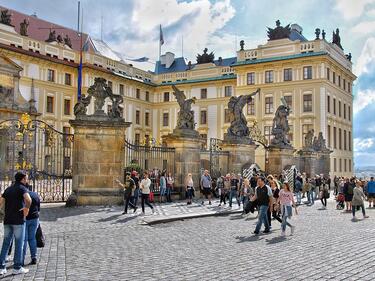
[{"x": 131, "y": 27}]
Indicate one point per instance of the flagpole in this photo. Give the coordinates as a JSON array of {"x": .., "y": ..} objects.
[{"x": 79, "y": 94}]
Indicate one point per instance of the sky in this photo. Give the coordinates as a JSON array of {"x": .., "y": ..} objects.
[{"x": 132, "y": 28}]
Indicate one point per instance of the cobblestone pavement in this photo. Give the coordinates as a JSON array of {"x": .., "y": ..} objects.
[{"x": 96, "y": 243}]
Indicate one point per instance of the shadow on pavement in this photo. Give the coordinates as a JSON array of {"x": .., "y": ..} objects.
[
  {"x": 276, "y": 240},
  {"x": 125, "y": 220},
  {"x": 236, "y": 217},
  {"x": 242, "y": 239},
  {"x": 54, "y": 212},
  {"x": 111, "y": 218}
]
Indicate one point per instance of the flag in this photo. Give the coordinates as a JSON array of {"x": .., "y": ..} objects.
[
  {"x": 142, "y": 59},
  {"x": 161, "y": 39}
]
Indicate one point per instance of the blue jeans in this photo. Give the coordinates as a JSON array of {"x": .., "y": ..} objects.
[
  {"x": 168, "y": 194},
  {"x": 31, "y": 227},
  {"x": 311, "y": 197},
  {"x": 287, "y": 212},
  {"x": 135, "y": 198},
  {"x": 262, "y": 218},
  {"x": 233, "y": 193},
  {"x": 298, "y": 197},
  {"x": 18, "y": 232}
]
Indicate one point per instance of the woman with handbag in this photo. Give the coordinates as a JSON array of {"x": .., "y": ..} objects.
[
  {"x": 170, "y": 182},
  {"x": 286, "y": 199}
]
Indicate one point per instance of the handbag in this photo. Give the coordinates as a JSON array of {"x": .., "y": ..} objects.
[
  {"x": 40, "y": 239},
  {"x": 151, "y": 197}
]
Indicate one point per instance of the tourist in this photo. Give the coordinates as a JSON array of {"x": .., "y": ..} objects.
[
  {"x": 348, "y": 193},
  {"x": 206, "y": 186},
  {"x": 227, "y": 186},
  {"x": 263, "y": 196},
  {"x": 135, "y": 177},
  {"x": 311, "y": 194},
  {"x": 370, "y": 190},
  {"x": 17, "y": 205},
  {"x": 145, "y": 192},
  {"x": 32, "y": 223},
  {"x": 274, "y": 209},
  {"x": 189, "y": 188},
  {"x": 221, "y": 189},
  {"x": 286, "y": 200},
  {"x": 324, "y": 195},
  {"x": 163, "y": 187},
  {"x": 298, "y": 190},
  {"x": 358, "y": 200},
  {"x": 129, "y": 189},
  {"x": 245, "y": 192},
  {"x": 336, "y": 185},
  {"x": 170, "y": 182},
  {"x": 234, "y": 188}
]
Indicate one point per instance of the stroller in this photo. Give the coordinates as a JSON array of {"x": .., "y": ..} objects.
[{"x": 340, "y": 201}]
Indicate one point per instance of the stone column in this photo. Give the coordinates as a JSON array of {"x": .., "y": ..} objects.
[
  {"x": 98, "y": 155},
  {"x": 308, "y": 162},
  {"x": 187, "y": 160},
  {"x": 278, "y": 159},
  {"x": 239, "y": 155}
]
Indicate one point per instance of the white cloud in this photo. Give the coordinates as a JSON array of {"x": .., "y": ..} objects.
[
  {"x": 364, "y": 28},
  {"x": 367, "y": 56},
  {"x": 362, "y": 145},
  {"x": 362, "y": 99},
  {"x": 351, "y": 9}
]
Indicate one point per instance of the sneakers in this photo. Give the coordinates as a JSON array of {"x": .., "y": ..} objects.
[
  {"x": 209, "y": 203},
  {"x": 124, "y": 213},
  {"x": 135, "y": 209},
  {"x": 366, "y": 217},
  {"x": 292, "y": 230},
  {"x": 266, "y": 231},
  {"x": 255, "y": 232},
  {"x": 20, "y": 271},
  {"x": 3, "y": 272},
  {"x": 220, "y": 205}
]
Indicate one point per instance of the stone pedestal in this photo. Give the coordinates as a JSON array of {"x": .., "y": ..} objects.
[
  {"x": 278, "y": 159},
  {"x": 187, "y": 160},
  {"x": 98, "y": 155},
  {"x": 239, "y": 155},
  {"x": 314, "y": 162}
]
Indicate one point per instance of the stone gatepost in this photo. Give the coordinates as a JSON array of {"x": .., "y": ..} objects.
[
  {"x": 278, "y": 159},
  {"x": 239, "y": 155},
  {"x": 314, "y": 162},
  {"x": 187, "y": 160}
]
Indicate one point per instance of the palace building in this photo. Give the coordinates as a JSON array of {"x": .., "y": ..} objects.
[{"x": 314, "y": 77}]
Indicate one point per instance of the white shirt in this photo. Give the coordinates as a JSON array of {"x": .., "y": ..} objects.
[{"x": 145, "y": 186}]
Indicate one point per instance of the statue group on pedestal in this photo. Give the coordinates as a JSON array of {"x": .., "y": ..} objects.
[
  {"x": 280, "y": 126},
  {"x": 313, "y": 143}
]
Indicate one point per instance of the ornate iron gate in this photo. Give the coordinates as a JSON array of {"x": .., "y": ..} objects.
[
  {"x": 41, "y": 151},
  {"x": 216, "y": 152}
]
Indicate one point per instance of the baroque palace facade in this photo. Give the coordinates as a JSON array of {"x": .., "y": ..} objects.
[{"x": 314, "y": 76}]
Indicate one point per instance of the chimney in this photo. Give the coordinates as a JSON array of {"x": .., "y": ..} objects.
[{"x": 297, "y": 28}]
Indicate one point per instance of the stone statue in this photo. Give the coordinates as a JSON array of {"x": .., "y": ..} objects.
[
  {"x": 5, "y": 17},
  {"x": 238, "y": 127},
  {"x": 242, "y": 45},
  {"x": 205, "y": 58},
  {"x": 100, "y": 92},
  {"x": 67, "y": 41},
  {"x": 189, "y": 65},
  {"x": 317, "y": 34},
  {"x": 116, "y": 101},
  {"x": 349, "y": 56},
  {"x": 278, "y": 32},
  {"x": 323, "y": 34},
  {"x": 185, "y": 119},
  {"x": 320, "y": 143},
  {"x": 336, "y": 38},
  {"x": 51, "y": 36},
  {"x": 80, "y": 108},
  {"x": 7, "y": 97},
  {"x": 309, "y": 139},
  {"x": 280, "y": 126},
  {"x": 59, "y": 39},
  {"x": 23, "y": 27}
]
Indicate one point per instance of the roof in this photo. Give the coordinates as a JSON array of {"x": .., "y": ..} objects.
[
  {"x": 295, "y": 35},
  {"x": 180, "y": 65},
  {"x": 223, "y": 77},
  {"x": 296, "y": 56}
]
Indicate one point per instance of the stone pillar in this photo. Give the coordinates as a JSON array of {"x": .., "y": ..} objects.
[
  {"x": 278, "y": 159},
  {"x": 187, "y": 160},
  {"x": 98, "y": 155},
  {"x": 239, "y": 155},
  {"x": 314, "y": 162}
]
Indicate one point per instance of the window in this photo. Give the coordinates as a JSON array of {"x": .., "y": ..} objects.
[
  {"x": 251, "y": 107},
  {"x": 344, "y": 84},
  {"x": 340, "y": 139},
  {"x": 137, "y": 117},
  {"x": 121, "y": 89},
  {"x": 288, "y": 74},
  {"x": 228, "y": 91},
  {"x": 307, "y": 103},
  {"x": 334, "y": 165},
  {"x": 268, "y": 133},
  {"x": 334, "y": 138},
  {"x": 110, "y": 84},
  {"x": 165, "y": 119},
  {"x": 166, "y": 96},
  {"x": 329, "y": 135},
  {"x": 138, "y": 93},
  {"x": 339, "y": 79},
  {"x": 269, "y": 76},
  {"x": 349, "y": 141},
  {"x": 68, "y": 79},
  {"x": 328, "y": 74},
  {"x": 334, "y": 106},
  {"x": 349, "y": 87},
  {"x": 50, "y": 107},
  {"x": 203, "y": 117},
  {"x": 268, "y": 105},
  {"x": 147, "y": 119},
  {"x": 305, "y": 129},
  {"x": 333, "y": 77},
  {"x": 344, "y": 111},
  {"x": 339, "y": 108},
  {"x": 203, "y": 93},
  {"x": 66, "y": 107},
  {"x": 226, "y": 116},
  {"x": 329, "y": 104},
  {"x": 147, "y": 96},
  {"x": 307, "y": 72},
  {"x": 290, "y": 133},
  {"x": 345, "y": 139},
  {"x": 251, "y": 78},
  {"x": 349, "y": 113},
  {"x": 289, "y": 100},
  {"x": 51, "y": 75},
  {"x": 137, "y": 139}
]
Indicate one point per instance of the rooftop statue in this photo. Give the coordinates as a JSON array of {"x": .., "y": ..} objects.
[
  {"x": 238, "y": 130},
  {"x": 309, "y": 139},
  {"x": 185, "y": 119},
  {"x": 5, "y": 17},
  {"x": 320, "y": 143},
  {"x": 280, "y": 127},
  {"x": 279, "y": 32},
  {"x": 67, "y": 41},
  {"x": 336, "y": 38},
  {"x": 51, "y": 36},
  {"x": 23, "y": 27},
  {"x": 205, "y": 58}
]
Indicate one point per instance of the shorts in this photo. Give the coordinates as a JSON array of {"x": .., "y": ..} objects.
[
  {"x": 371, "y": 196},
  {"x": 348, "y": 197},
  {"x": 206, "y": 191}
]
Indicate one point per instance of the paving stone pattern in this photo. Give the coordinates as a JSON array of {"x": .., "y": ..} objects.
[{"x": 96, "y": 243}]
